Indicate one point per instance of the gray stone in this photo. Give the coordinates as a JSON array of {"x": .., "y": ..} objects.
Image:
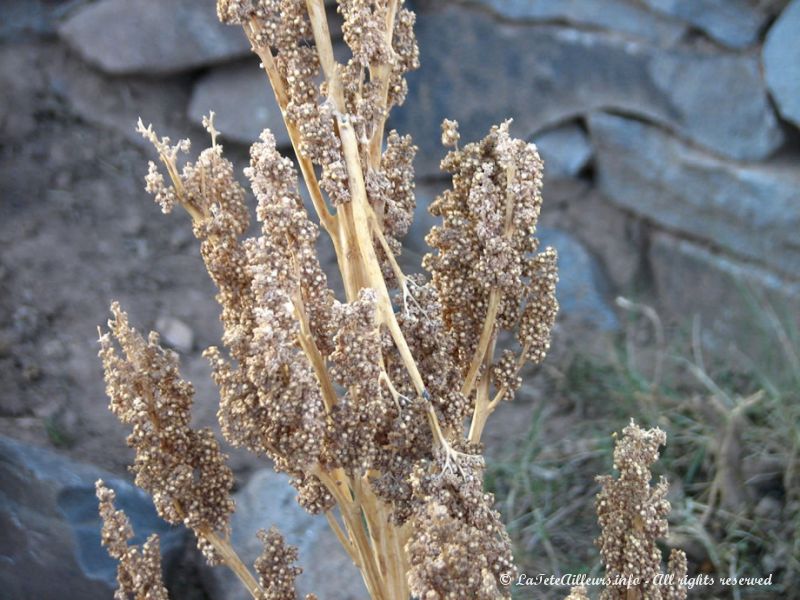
[
  {"x": 51, "y": 530},
  {"x": 582, "y": 289},
  {"x": 480, "y": 72},
  {"x": 734, "y": 23},
  {"x": 269, "y": 500},
  {"x": 21, "y": 17},
  {"x": 725, "y": 293},
  {"x": 116, "y": 104},
  {"x": 613, "y": 235},
  {"x": 243, "y": 103},
  {"x": 717, "y": 100},
  {"x": 749, "y": 210},
  {"x": 18, "y": 94},
  {"x": 565, "y": 150},
  {"x": 152, "y": 36},
  {"x": 781, "y": 55},
  {"x": 625, "y": 16},
  {"x": 175, "y": 333}
]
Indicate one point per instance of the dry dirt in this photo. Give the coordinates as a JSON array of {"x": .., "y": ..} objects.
[{"x": 76, "y": 231}]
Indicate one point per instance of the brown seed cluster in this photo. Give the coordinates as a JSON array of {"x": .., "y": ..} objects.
[
  {"x": 486, "y": 252},
  {"x": 450, "y": 135},
  {"x": 459, "y": 547},
  {"x": 364, "y": 410},
  {"x": 272, "y": 291},
  {"x": 392, "y": 53},
  {"x": 364, "y": 30},
  {"x": 541, "y": 307},
  {"x": 275, "y": 568},
  {"x": 433, "y": 345},
  {"x": 578, "y": 593},
  {"x": 139, "y": 569},
  {"x": 182, "y": 468},
  {"x": 442, "y": 561},
  {"x": 632, "y": 516},
  {"x": 391, "y": 195}
]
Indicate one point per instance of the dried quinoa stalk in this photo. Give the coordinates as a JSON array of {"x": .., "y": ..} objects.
[
  {"x": 373, "y": 403},
  {"x": 139, "y": 568},
  {"x": 632, "y": 516}
]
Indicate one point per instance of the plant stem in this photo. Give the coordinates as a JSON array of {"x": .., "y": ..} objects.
[
  {"x": 326, "y": 218},
  {"x": 484, "y": 408},
  {"x": 483, "y": 342},
  {"x": 351, "y": 516},
  {"x": 234, "y": 563},
  {"x": 382, "y": 74}
]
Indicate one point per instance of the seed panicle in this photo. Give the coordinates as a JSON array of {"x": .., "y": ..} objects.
[{"x": 373, "y": 403}]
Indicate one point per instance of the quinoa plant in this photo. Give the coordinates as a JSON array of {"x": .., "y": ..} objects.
[{"x": 374, "y": 404}]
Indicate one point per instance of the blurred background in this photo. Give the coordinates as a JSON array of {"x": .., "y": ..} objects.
[{"x": 670, "y": 130}]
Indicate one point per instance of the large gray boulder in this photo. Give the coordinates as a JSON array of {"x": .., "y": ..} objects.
[
  {"x": 481, "y": 71},
  {"x": 19, "y": 96},
  {"x": 565, "y": 150},
  {"x": 582, "y": 289},
  {"x": 117, "y": 103},
  {"x": 626, "y": 16},
  {"x": 734, "y": 23},
  {"x": 24, "y": 17},
  {"x": 152, "y": 36},
  {"x": 269, "y": 500},
  {"x": 781, "y": 56},
  {"x": 50, "y": 541},
  {"x": 726, "y": 293},
  {"x": 749, "y": 210},
  {"x": 243, "y": 103}
]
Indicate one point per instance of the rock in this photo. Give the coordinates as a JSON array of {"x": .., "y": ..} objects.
[
  {"x": 726, "y": 293},
  {"x": 781, "y": 56},
  {"x": 624, "y": 16},
  {"x": 749, "y": 210},
  {"x": 243, "y": 103},
  {"x": 19, "y": 95},
  {"x": 269, "y": 500},
  {"x": 733, "y": 110},
  {"x": 51, "y": 529},
  {"x": 734, "y": 23},
  {"x": 117, "y": 103},
  {"x": 481, "y": 72},
  {"x": 20, "y": 17},
  {"x": 175, "y": 333},
  {"x": 768, "y": 507},
  {"x": 131, "y": 223},
  {"x": 565, "y": 150},
  {"x": 152, "y": 36},
  {"x": 613, "y": 235},
  {"x": 581, "y": 287}
]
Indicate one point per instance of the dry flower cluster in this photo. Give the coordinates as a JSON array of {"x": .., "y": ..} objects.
[
  {"x": 632, "y": 516},
  {"x": 375, "y": 403}
]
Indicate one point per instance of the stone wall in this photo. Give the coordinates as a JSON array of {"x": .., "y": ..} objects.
[
  {"x": 669, "y": 127},
  {"x": 680, "y": 117}
]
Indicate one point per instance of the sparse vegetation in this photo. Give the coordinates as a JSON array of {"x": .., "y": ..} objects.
[{"x": 731, "y": 416}]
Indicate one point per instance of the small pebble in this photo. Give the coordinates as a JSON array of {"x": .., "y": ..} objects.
[{"x": 175, "y": 333}]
